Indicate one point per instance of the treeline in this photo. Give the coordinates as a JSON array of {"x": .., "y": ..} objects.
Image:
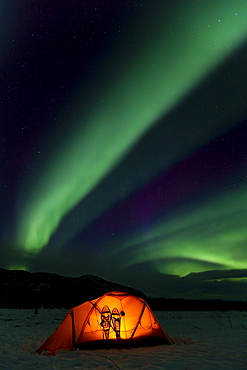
[
  {"x": 22, "y": 289},
  {"x": 180, "y": 304},
  {"x": 156, "y": 304}
]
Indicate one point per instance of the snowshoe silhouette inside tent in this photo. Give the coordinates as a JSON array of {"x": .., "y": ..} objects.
[{"x": 115, "y": 319}]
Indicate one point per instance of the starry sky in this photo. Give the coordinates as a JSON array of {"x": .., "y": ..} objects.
[{"x": 123, "y": 142}]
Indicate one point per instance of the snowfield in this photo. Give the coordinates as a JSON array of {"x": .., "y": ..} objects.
[{"x": 203, "y": 340}]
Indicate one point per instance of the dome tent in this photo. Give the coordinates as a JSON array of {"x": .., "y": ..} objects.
[{"x": 115, "y": 319}]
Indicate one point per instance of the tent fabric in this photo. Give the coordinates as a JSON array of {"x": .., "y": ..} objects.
[{"x": 83, "y": 327}]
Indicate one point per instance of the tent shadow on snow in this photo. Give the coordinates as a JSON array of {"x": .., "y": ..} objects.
[{"x": 114, "y": 320}]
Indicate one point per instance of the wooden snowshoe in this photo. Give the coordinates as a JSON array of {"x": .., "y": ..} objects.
[
  {"x": 116, "y": 321},
  {"x": 105, "y": 321}
]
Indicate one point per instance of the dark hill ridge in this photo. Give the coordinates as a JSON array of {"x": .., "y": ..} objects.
[
  {"x": 30, "y": 289},
  {"x": 22, "y": 289}
]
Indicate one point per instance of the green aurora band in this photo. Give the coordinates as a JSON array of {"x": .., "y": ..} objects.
[
  {"x": 208, "y": 237},
  {"x": 153, "y": 78}
]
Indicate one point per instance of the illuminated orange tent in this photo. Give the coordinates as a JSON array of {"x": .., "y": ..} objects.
[{"x": 115, "y": 319}]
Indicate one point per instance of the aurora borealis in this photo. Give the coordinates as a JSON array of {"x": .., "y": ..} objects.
[{"x": 124, "y": 150}]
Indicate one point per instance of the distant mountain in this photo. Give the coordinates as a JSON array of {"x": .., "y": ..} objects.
[
  {"x": 22, "y": 289},
  {"x": 31, "y": 289}
]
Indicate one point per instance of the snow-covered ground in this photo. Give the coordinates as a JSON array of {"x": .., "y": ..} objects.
[{"x": 203, "y": 340}]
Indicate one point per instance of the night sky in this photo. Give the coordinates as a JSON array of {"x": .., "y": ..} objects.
[{"x": 124, "y": 142}]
